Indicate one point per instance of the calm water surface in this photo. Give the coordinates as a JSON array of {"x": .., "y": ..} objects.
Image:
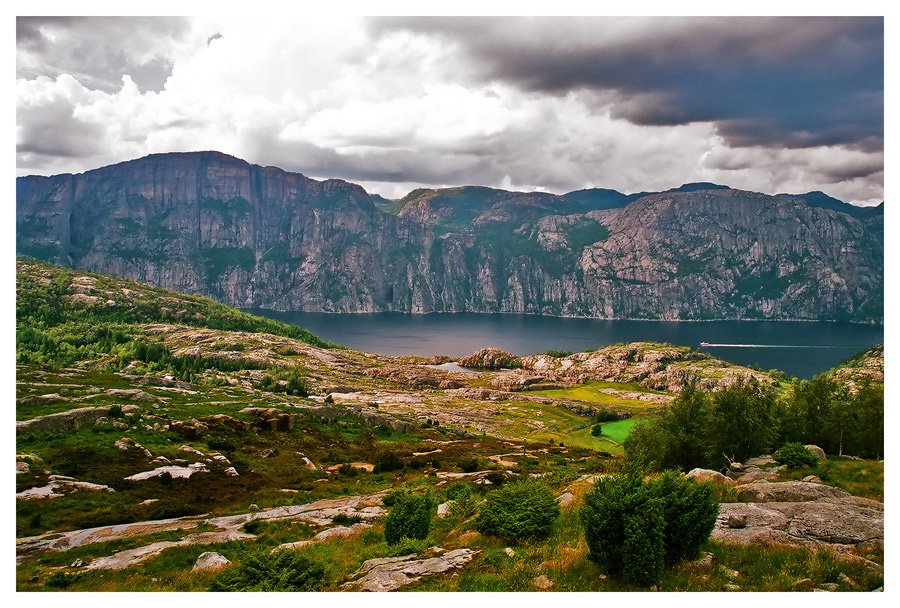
[{"x": 802, "y": 349}]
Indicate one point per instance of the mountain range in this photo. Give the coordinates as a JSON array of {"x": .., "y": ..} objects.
[{"x": 253, "y": 236}]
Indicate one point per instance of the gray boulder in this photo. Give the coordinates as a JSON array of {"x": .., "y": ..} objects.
[
  {"x": 837, "y": 522},
  {"x": 817, "y": 451},
  {"x": 210, "y": 561},
  {"x": 709, "y": 475},
  {"x": 786, "y": 491}
]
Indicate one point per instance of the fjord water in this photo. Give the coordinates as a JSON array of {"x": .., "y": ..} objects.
[{"x": 801, "y": 349}]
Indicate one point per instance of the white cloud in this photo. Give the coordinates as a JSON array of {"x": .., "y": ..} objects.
[{"x": 396, "y": 112}]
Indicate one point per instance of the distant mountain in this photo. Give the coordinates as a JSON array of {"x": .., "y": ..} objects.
[
  {"x": 254, "y": 236},
  {"x": 818, "y": 198}
]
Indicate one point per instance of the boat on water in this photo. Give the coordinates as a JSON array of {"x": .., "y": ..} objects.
[{"x": 704, "y": 344}]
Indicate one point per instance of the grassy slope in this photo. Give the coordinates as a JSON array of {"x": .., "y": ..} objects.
[{"x": 89, "y": 455}]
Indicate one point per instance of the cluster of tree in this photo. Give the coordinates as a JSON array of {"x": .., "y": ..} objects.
[{"x": 710, "y": 430}]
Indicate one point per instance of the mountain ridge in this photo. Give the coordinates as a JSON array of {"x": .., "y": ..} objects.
[{"x": 254, "y": 236}]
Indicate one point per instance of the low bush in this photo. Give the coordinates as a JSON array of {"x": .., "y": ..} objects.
[
  {"x": 795, "y": 456},
  {"x": 596, "y": 430},
  {"x": 387, "y": 461},
  {"x": 260, "y": 570},
  {"x": 253, "y": 526},
  {"x": 521, "y": 510},
  {"x": 346, "y": 520},
  {"x": 468, "y": 465},
  {"x": 634, "y": 527},
  {"x": 409, "y": 516},
  {"x": 61, "y": 580},
  {"x": 606, "y": 416}
]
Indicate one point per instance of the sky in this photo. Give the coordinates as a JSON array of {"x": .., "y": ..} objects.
[{"x": 778, "y": 104}]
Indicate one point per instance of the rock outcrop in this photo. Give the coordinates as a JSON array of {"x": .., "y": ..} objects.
[
  {"x": 71, "y": 419},
  {"x": 256, "y": 236},
  {"x": 389, "y": 573}
]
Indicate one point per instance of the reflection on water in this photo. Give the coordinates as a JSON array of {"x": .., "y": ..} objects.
[{"x": 815, "y": 346}]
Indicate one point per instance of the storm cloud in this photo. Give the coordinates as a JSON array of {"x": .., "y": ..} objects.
[
  {"x": 794, "y": 82},
  {"x": 551, "y": 104}
]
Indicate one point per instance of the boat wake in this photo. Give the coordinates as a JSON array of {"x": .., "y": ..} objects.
[{"x": 712, "y": 345}]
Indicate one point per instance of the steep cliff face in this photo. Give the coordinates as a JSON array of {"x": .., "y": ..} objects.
[{"x": 256, "y": 236}]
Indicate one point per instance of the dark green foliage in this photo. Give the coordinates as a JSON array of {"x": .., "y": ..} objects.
[
  {"x": 633, "y": 527},
  {"x": 115, "y": 411},
  {"x": 409, "y": 517},
  {"x": 519, "y": 511},
  {"x": 704, "y": 430},
  {"x": 387, "y": 461},
  {"x": 61, "y": 580},
  {"x": 822, "y": 411},
  {"x": 596, "y": 430},
  {"x": 348, "y": 470},
  {"x": 468, "y": 465},
  {"x": 497, "y": 478},
  {"x": 795, "y": 456},
  {"x": 253, "y": 526},
  {"x": 260, "y": 570},
  {"x": 290, "y": 382},
  {"x": 605, "y": 416},
  {"x": 346, "y": 520},
  {"x": 165, "y": 478}
]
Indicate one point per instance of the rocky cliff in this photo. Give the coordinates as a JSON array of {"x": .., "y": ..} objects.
[{"x": 256, "y": 236}]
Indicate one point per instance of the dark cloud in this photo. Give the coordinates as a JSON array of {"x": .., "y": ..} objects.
[
  {"x": 50, "y": 129},
  {"x": 792, "y": 82},
  {"x": 99, "y": 50}
]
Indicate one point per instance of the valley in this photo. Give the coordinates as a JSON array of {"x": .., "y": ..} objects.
[{"x": 153, "y": 426}]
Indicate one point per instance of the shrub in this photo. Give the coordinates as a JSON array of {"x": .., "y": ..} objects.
[
  {"x": 795, "y": 456},
  {"x": 596, "y": 430},
  {"x": 259, "y": 570},
  {"x": 468, "y": 465},
  {"x": 61, "y": 580},
  {"x": 115, "y": 411},
  {"x": 633, "y": 527},
  {"x": 409, "y": 517},
  {"x": 253, "y": 526},
  {"x": 606, "y": 416},
  {"x": 497, "y": 478},
  {"x": 346, "y": 520},
  {"x": 521, "y": 510},
  {"x": 348, "y": 470},
  {"x": 387, "y": 461}
]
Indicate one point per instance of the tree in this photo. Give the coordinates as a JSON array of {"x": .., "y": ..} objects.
[
  {"x": 634, "y": 526},
  {"x": 409, "y": 517},
  {"x": 741, "y": 422},
  {"x": 677, "y": 438},
  {"x": 521, "y": 510}
]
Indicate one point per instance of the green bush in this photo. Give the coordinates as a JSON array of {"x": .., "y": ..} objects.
[
  {"x": 468, "y": 465},
  {"x": 115, "y": 411},
  {"x": 633, "y": 527},
  {"x": 795, "y": 456},
  {"x": 409, "y": 516},
  {"x": 259, "y": 570},
  {"x": 253, "y": 526},
  {"x": 521, "y": 510},
  {"x": 596, "y": 430},
  {"x": 606, "y": 416},
  {"x": 387, "y": 461},
  {"x": 61, "y": 580}
]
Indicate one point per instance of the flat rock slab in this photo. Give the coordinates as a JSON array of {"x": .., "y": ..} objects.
[
  {"x": 786, "y": 491},
  {"x": 389, "y": 573},
  {"x": 837, "y": 522}
]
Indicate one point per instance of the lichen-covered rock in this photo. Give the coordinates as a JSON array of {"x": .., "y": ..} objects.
[
  {"x": 210, "y": 560},
  {"x": 709, "y": 475},
  {"x": 489, "y": 358},
  {"x": 389, "y": 573},
  {"x": 71, "y": 419},
  {"x": 841, "y": 522},
  {"x": 817, "y": 451},
  {"x": 786, "y": 491}
]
